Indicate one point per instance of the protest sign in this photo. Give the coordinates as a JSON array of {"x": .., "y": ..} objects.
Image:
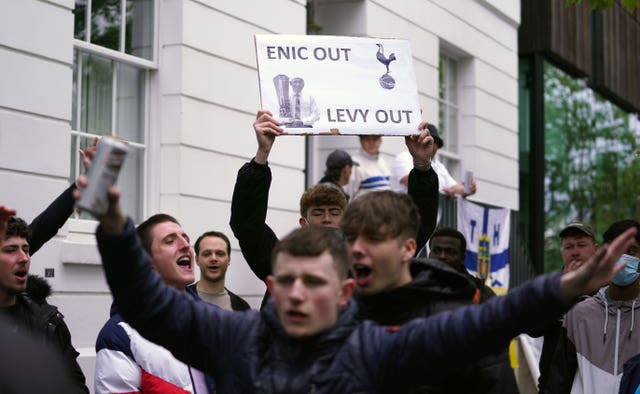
[{"x": 338, "y": 85}]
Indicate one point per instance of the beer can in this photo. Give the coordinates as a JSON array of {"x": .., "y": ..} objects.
[{"x": 103, "y": 173}]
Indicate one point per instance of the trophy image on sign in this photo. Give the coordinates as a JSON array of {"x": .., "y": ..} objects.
[{"x": 281, "y": 83}]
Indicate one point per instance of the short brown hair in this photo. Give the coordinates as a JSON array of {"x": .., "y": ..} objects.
[
  {"x": 312, "y": 241},
  {"x": 322, "y": 194},
  {"x": 216, "y": 234},
  {"x": 144, "y": 229},
  {"x": 381, "y": 215}
]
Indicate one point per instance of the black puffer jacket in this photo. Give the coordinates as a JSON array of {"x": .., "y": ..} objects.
[
  {"x": 436, "y": 287},
  {"x": 32, "y": 314}
]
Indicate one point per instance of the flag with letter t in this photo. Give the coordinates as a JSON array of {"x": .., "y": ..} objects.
[{"x": 487, "y": 233}]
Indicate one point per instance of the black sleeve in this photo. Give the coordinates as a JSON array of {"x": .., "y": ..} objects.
[
  {"x": 70, "y": 355},
  {"x": 560, "y": 368},
  {"x": 248, "y": 216},
  {"x": 46, "y": 225},
  {"x": 423, "y": 189}
]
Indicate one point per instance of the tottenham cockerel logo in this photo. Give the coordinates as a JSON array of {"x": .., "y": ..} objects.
[{"x": 386, "y": 80}]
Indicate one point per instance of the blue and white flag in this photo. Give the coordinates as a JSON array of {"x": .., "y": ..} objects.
[{"x": 487, "y": 233}]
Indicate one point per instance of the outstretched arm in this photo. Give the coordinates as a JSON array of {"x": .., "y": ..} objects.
[
  {"x": 471, "y": 332},
  {"x": 196, "y": 333}
]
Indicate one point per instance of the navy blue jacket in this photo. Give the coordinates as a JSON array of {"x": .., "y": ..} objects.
[{"x": 250, "y": 353}]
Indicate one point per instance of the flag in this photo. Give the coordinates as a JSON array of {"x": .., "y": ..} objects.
[{"x": 487, "y": 233}]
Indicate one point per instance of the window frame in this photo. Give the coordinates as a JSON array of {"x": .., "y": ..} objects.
[
  {"x": 84, "y": 46},
  {"x": 452, "y": 158}
]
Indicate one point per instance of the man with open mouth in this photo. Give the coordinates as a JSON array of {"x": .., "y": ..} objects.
[{"x": 125, "y": 361}]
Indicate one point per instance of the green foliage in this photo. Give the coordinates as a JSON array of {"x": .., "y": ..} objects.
[
  {"x": 604, "y": 4},
  {"x": 592, "y": 173}
]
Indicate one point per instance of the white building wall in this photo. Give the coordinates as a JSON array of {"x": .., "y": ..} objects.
[
  {"x": 202, "y": 104},
  {"x": 208, "y": 97}
]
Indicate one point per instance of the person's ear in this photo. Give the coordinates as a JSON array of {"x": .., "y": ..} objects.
[
  {"x": 302, "y": 221},
  {"x": 269, "y": 283},
  {"x": 409, "y": 249},
  {"x": 346, "y": 291}
]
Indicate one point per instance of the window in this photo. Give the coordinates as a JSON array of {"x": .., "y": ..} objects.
[
  {"x": 592, "y": 171},
  {"x": 448, "y": 114},
  {"x": 112, "y": 61}
]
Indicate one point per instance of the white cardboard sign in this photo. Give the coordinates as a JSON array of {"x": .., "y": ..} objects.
[{"x": 338, "y": 85}]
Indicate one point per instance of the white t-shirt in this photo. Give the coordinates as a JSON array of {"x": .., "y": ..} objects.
[
  {"x": 402, "y": 165},
  {"x": 371, "y": 175}
]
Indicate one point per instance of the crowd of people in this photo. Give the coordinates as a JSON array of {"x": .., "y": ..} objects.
[{"x": 349, "y": 306}]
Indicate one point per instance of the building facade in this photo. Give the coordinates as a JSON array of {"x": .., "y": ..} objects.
[{"x": 178, "y": 79}]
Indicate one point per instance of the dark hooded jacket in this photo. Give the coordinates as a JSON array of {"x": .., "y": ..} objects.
[
  {"x": 436, "y": 287},
  {"x": 33, "y": 315}
]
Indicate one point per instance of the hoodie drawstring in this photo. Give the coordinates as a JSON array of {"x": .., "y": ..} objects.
[
  {"x": 633, "y": 308},
  {"x": 606, "y": 319}
]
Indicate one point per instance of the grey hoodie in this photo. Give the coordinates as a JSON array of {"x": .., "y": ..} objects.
[{"x": 605, "y": 336}]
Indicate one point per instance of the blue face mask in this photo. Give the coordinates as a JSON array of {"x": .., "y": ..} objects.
[{"x": 630, "y": 272}]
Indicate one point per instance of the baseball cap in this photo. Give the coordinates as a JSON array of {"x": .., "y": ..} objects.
[
  {"x": 580, "y": 227},
  {"x": 433, "y": 130},
  {"x": 339, "y": 158}
]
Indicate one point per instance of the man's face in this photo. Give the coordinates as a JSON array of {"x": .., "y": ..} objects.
[
  {"x": 447, "y": 250},
  {"x": 380, "y": 265},
  {"x": 323, "y": 215},
  {"x": 371, "y": 144},
  {"x": 171, "y": 254},
  {"x": 308, "y": 293},
  {"x": 576, "y": 250},
  {"x": 14, "y": 268},
  {"x": 297, "y": 85},
  {"x": 213, "y": 259}
]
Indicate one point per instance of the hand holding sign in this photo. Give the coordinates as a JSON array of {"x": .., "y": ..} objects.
[
  {"x": 266, "y": 128},
  {"x": 421, "y": 147}
]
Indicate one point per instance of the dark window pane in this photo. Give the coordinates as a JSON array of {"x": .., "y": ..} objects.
[
  {"x": 80, "y": 20},
  {"x": 105, "y": 23}
]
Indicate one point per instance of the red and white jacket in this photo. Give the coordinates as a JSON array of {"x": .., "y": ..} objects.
[{"x": 128, "y": 363}]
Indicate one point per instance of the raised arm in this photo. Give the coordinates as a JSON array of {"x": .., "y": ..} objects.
[
  {"x": 197, "y": 333},
  {"x": 46, "y": 225},
  {"x": 250, "y": 199},
  {"x": 423, "y": 182}
]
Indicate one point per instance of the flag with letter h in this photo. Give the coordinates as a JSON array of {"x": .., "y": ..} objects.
[{"x": 487, "y": 233}]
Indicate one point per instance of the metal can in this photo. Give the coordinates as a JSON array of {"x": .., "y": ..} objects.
[
  {"x": 103, "y": 173},
  {"x": 468, "y": 179}
]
